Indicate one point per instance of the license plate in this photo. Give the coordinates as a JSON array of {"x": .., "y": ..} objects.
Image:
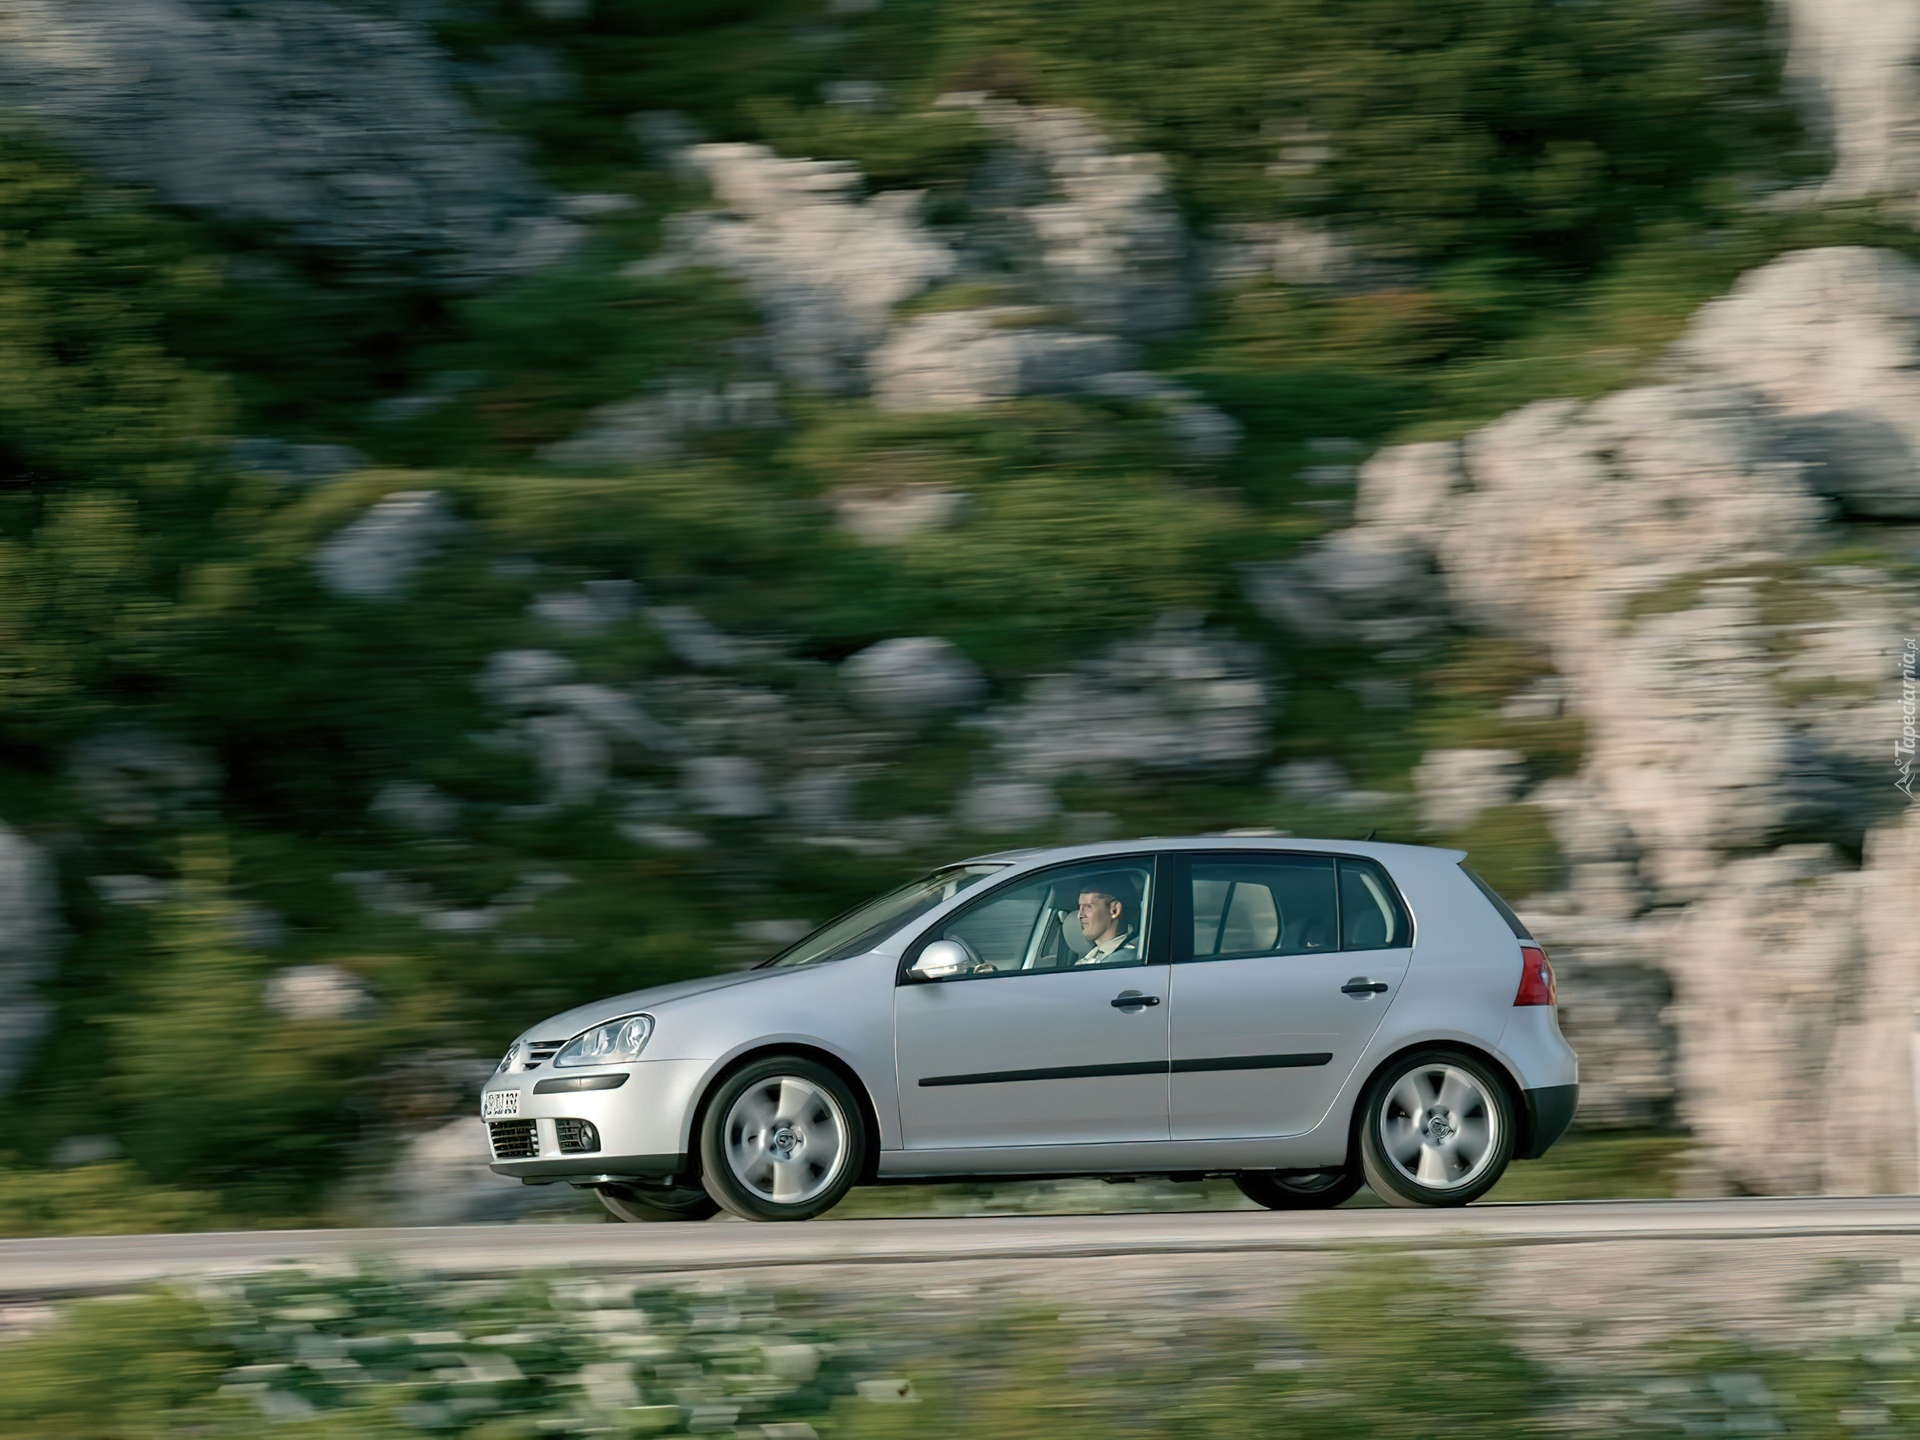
[{"x": 499, "y": 1104}]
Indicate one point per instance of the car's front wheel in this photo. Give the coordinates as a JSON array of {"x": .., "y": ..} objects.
[
  {"x": 1298, "y": 1189},
  {"x": 782, "y": 1139},
  {"x": 638, "y": 1203},
  {"x": 1437, "y": 1129}
]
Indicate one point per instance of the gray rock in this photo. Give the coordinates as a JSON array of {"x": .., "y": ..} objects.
[
  {"x": 1007, "y": 807},
  {"x": 30, "y": 933},
  {"x": 141, "y": 890},
  {"x": 1456, "y": 786},
  {"x": 1775, "y": 966},
  {"x": 294, "y": 464},
  {"x": 1178, "y": 699},
  {"x": 597, "y": 204},
  {"x": 377, "y": 556},
  {"x": 77, "y": 1150},
  {"x": 318, "y": 992},
  {"x": 571, "y": 731},
  {"x": 522, "y": 75},
  {"x": 334, "y": 128},
  {"x": 131, "y": 775},
  {"x": 695, "y": 640},
  {"x": 1370, "y": 584},
  {"x": 1409, "y": 488},
  {"x": 1832, "y": 339},
  {"x": 1201, "y": 433},
  {"x": 914, "y": 678},
  {"x": 1301, "y": 253},
  {"x": 441, "y": 1178},
  {"x": 1308, "y": 781},
  {"x": 964, "y": 359},
  {"x": 819, "y": 802},
  {"x": 877, "y": 515},
  {"x": 726, "y": 786},
  {"x": 651, "y": 427},
  {"x": 855, "y": 94},
  {"x": 1854, "y": 63},
  {"x": 414, "y": 808},
  {"x": 588, "y": 610},
  {"x": 1099, "y": 231},
  {"x": 825, "y": 267},
  {"x": 519, "y": 679}
]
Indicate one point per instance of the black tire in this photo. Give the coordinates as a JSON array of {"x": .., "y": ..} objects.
[
  {"x": 782, "y": 1139},
  {"x": 642, "y": 1204},
  {"x": 1436, "y": 1128},
  {"x": 1299, "y": 1189}
]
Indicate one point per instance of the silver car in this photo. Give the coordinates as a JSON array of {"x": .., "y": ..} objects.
[{"x": 1302, "y": 1015}]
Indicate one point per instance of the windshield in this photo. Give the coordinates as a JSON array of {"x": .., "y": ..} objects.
[{"x": 865, "y": 926}]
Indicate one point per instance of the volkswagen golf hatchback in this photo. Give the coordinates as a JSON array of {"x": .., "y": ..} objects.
[{"x": 1302, "y": 1015}]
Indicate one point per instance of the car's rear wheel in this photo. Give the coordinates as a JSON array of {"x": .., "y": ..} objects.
[
  {"x": 782, "y": 1139},
  {"x": 1298, "y": 1189},
  {"x": 1437, "y": 1129},
  {"x": 643, "y": 1203}
]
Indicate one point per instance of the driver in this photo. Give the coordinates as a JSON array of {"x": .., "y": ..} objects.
[{"x": 1109, "y": 916}]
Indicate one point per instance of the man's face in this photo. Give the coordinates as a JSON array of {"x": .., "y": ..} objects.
[{"x": 1099, "y": 915}]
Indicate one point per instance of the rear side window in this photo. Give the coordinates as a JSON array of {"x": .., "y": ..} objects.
[
  {"x": 1263, "y": 905},
  {"x": 1506, "y": 911},
  {"x": 1371, "y": 916}
]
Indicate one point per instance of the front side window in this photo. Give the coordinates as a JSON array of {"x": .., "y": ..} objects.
[
  {"x": 865, "y": 926},
  {"x": 1243, "y": 906},
  {"x": 1077, "y": 917}
]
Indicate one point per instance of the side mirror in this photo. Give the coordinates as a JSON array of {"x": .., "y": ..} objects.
[{"x": 941, "y": 960}]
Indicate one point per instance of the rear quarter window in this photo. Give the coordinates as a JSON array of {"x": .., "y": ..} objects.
[{"x": 1506, "y": 911}]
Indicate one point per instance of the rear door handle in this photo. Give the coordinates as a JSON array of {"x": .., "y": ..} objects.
[
  {"x": 1360, "y": 985},
  {"x": 1133, "y": 998}
]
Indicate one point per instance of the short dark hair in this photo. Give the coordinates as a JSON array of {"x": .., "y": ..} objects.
[{"x": 1115, "y": 885}]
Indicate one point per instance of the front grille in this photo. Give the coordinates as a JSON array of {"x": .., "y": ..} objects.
[
  {"x": 539, "y": 1052},
  {"x": 577, "y": 1137},
  {"x": 513, "y": 1139}
]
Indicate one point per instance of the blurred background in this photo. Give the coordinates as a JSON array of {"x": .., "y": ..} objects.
[{"x": 508, "y": 501}]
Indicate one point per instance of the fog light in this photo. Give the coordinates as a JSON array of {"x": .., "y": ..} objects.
[{"x": 576, "y": 1137}]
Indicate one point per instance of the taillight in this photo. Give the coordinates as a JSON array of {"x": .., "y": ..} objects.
[{"x": 1536, "y": 978}]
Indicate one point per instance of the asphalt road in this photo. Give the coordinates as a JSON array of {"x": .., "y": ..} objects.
[{"x": 108, "y": 1263}]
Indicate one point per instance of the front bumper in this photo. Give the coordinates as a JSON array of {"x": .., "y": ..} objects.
[{"x": 641, "y": 1128}]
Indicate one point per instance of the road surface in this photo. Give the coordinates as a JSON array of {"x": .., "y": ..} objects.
[{"x": 49, "y": 1267}]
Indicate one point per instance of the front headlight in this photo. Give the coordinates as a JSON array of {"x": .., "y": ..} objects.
[{"x": 613, "y": 1043}]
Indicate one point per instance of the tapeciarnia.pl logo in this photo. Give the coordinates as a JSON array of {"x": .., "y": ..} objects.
[{"x": 1903, "y": 749}]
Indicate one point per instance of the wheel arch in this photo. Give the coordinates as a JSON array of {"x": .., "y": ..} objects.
[
  {"x": 1516, "y": 1099},
  {"x": 820, "y": 1055}
]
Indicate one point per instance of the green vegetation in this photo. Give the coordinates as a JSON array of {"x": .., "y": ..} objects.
[
  {"x": 1353, "y": 1354},
  {"x": 1544, "y": 190}
]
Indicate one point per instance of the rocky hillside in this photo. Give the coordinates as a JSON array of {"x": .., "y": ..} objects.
[{"x": 505, "y": 502}]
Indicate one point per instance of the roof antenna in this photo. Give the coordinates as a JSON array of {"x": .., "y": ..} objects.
[{"x": 1370, "y": 834}]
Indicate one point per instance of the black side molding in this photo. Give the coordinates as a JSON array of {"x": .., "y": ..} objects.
[
  {"x": 1057, "y": 1072},
  {"x": 1255, "y": 1062},
  {"x": 1141, "y": 1067}
]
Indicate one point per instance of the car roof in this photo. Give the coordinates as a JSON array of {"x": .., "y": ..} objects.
[{"x": 1233, "y": 840}]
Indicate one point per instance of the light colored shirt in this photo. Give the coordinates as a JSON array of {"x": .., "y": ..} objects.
[{"x": 1118, "y": 949}]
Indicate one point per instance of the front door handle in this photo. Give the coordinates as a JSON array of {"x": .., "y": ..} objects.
[
  {"x": 1132, "y": 999},
  {"x": 1360, "y": 985}
]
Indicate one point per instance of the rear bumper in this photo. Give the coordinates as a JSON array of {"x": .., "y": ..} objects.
[{"x": 1549, "y": 1112}]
